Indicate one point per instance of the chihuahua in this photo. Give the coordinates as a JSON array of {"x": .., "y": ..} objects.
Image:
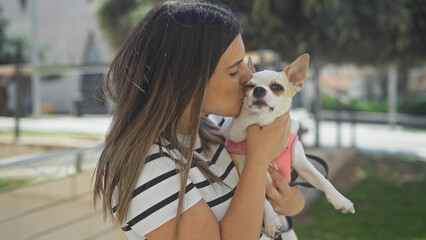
[{"x": 268, "y": 95}]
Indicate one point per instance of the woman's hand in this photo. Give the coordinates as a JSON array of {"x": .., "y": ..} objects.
[
  {"x": 268, "y": 142},
  {"x": 285, "y": 200}
]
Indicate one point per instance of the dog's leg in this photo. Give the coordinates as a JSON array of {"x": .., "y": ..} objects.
[
  {"x": 271, "y": 221},
  {"x": 307, "y": 171}
]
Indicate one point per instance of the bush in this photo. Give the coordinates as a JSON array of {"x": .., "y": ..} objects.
[{"x": 413, "y": 106}]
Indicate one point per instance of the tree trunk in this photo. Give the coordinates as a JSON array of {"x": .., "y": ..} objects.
[
  {"x": 403, "y": 86},
  {"x": 392, "y": 95},
  {"x": 317, "y": 103}
]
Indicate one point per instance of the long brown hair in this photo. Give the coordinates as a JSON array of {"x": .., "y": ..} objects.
[{"x": 157, "y": 81}]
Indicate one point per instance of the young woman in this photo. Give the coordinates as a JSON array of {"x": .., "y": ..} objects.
[{"x": 164, "y": 173}]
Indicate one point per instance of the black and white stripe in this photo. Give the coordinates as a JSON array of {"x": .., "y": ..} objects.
[
  {"x": 151, "y": 203},
  {"x": 155, "y": 208},
  {"x": 174, "y": 172}
]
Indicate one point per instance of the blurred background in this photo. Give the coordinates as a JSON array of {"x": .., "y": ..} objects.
[{"x": 362, "y": 109}]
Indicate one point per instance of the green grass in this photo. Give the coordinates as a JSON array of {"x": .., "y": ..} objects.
[
  {"x": 390, "y": 203},
  {"x": 414, "y": 105},
  {"x": 10, "y": 184},
  {"x": 414, "y": 130}
]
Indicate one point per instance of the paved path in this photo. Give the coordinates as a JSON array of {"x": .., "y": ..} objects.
[
  {"x": 61, "y": 209},
  {"x": 93, "y": 124},
  {"x": 372, "y": 138}
]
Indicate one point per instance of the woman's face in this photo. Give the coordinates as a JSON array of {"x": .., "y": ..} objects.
[{"x": 224, "y": 92}]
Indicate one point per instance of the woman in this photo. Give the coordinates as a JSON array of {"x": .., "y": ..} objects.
[{"x": 163, "y": 173}]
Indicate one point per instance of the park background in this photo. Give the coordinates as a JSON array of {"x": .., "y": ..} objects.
[{"x": 362, "y": 109}]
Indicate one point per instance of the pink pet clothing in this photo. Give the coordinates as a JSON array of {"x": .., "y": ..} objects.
[{"x": 282, "y": 163}]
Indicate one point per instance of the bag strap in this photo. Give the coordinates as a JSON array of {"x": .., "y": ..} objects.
[{"x": 294, "y": 174}]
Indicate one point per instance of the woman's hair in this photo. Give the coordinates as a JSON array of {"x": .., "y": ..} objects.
[{"x": 157, "y": 81}]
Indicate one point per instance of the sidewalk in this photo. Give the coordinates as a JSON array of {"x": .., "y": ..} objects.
[
  {"x": 66, "y": 130},
  {"x": 371, "y": 138},
  {"x": 90, "y": 124},
  {"x": 60, "y": 209}
]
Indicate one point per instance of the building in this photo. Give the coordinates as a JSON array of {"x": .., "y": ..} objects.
[{"x": 74, "y": 54}]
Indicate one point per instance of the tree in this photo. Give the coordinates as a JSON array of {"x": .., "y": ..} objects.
[
  {"x": 3, "y": 26},
  {"x": 354, "y": 31},
  {"x": 14, "y": 49},
  {"x": 363, "y": 32},
  {"x": 10, "y": 39},
  {"x": 118, "y": 17}
]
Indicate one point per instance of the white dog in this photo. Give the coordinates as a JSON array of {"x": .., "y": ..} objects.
[{"x": 269, "y": 95}]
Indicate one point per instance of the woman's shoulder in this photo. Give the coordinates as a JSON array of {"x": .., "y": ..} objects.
[
  {"x": 158, "y": 161},
  {"x": 155, "y": 197}
]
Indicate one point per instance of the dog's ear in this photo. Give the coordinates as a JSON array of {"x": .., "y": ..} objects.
[
  {"x": 251, "y": 66},
  {"x": 297, "y": 71}
]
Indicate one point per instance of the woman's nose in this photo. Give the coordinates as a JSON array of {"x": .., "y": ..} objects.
[{"x": 246, "y": 75}]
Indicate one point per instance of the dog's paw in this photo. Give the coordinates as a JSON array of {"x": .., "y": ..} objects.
[
  {"x": 272, "y": 226},
  {"x": 341, "y": 203}
]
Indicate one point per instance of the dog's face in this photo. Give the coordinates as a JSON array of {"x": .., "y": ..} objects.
[{"x": 270, "y": 93}]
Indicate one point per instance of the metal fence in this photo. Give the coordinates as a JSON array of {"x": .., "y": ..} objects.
[{"x": 37, "y": 168}]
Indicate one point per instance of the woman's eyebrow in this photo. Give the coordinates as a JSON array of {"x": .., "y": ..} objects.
[{"x": 236, "y": 63}]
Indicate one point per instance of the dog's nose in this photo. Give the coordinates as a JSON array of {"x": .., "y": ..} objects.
[{"x": 259, "y": 92}]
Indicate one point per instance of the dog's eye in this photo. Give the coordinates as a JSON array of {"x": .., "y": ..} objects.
[
  {"x": 249, "y": 86},
  {"x": 276, "y": 88}
]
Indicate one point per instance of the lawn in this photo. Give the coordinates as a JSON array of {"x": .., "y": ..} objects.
[
  {"x": 390, "y": 202},
  {"x": 9, "y": 184}
]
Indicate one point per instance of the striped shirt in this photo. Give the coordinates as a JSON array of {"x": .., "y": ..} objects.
[{"x": 155, "y": 197}]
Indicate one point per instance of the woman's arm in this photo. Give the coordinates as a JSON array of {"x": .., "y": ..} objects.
[
  {"x": 198, "y": 222},
  {"x": 243, "y": 219}
]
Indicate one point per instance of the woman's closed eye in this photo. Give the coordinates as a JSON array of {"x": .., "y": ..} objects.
[{"x": 234, "y": 74}]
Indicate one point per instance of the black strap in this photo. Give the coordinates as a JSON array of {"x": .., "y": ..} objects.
[
  {"x": 294, "y": 174},
  {"x": 290, "y": 227}
]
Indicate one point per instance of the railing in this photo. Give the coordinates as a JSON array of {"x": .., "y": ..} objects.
[{"x": 37, "y": 168}]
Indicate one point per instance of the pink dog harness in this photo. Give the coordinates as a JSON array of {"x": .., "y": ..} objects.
[{"x": 282, "y": 163}]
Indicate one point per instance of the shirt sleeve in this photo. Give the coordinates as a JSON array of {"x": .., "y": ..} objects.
[{"x": 156, "y": 195}]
